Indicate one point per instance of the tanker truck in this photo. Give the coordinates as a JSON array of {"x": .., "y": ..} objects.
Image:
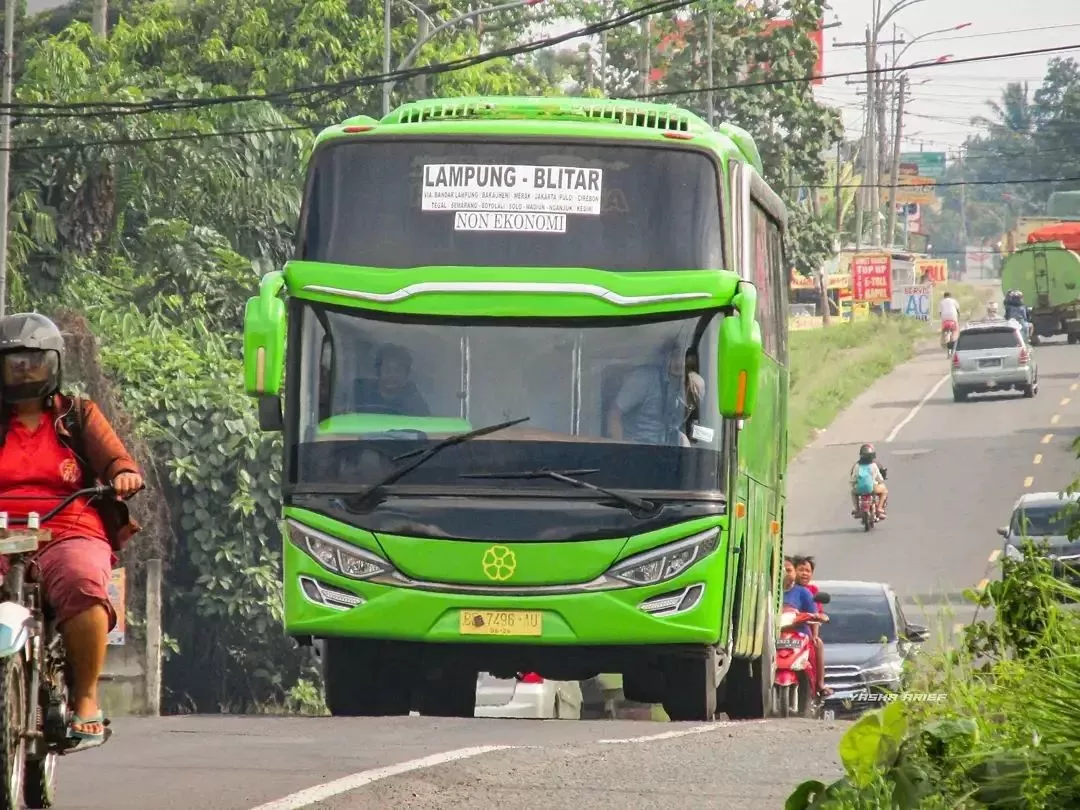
[{"x": 1047, "y": 271}]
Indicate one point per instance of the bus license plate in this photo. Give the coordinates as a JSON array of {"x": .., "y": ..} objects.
[{"x": 501, "y": 623}]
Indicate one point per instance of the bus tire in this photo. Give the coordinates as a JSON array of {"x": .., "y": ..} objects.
[
  {"x": 690, "y": 687},
  {"x": 749, "y": 694},
  {"x": 362, "y": 679},
  {"x": 448, "y": 692}
]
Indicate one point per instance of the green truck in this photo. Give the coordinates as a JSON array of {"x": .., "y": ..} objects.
[
  {"x": 1047, "y": 271},
  {"x": 530, "y": 365}
]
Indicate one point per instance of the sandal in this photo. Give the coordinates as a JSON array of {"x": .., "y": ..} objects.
[{"x": 81, "y": 740}]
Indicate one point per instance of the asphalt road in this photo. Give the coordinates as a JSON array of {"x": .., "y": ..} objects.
[{"x": 954, "y": 471}]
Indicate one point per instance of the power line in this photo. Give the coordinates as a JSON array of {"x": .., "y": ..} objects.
[
  {"x": 812, "y": 77},
  {"x": 162, "y": 105},
  {"x": 1005, "y": 33},
  {"x": 950, "y": 184},
  {"x": 191, "y": 136}
]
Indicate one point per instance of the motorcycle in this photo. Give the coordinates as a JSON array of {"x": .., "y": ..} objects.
[
  {"x": 867, "y": 511},
  {"x": 794, "y": 691},
  {"x": 949, "y": 332},
  {"x": 35, "y": 680}
]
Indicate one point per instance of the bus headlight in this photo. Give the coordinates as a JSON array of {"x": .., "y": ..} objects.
[
  {"x": 666, "y": 562},
  {"x": 334, "y": 555}
]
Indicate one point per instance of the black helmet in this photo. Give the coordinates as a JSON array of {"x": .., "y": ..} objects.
[
  {"x": 30, "y": 341},
  {"x": 867, "y": 453}
]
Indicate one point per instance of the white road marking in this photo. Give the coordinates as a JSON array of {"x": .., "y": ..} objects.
[
  {"x": 318, "y": 793},
  {"x": 1055, "y": 419},
  {"x": 994, "y": 555},
  {"x": 914, "y": 411},
  {"x": 1046, "y": 439},
  {"x": 1029, "y": 481},
  {"x": 1037, "y": 459},
  {"x": 670, "y": 735},
  {"x": 1065, "y": 401}
]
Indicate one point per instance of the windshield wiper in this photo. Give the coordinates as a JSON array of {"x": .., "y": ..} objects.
[
  {"x": 635, "y": 505},
  {"x": 423, "y": 455}
]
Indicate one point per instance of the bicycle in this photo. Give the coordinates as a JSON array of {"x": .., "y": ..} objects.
[{"x": 33, "y": 733}]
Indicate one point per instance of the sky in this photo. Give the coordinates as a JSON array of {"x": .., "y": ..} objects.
[
  {"x": 939, "y": 111},
  {"x": 943, "y": 98}
]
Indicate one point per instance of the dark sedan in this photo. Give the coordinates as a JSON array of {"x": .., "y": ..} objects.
[{"x": 866, "y": 641}]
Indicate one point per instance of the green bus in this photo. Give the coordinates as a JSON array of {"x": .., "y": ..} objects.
[{"x": 515, "y": 361}]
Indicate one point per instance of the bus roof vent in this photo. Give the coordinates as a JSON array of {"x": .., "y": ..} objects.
[{"x": 666, "y": 117}]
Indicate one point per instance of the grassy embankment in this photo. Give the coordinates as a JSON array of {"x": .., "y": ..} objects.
[
  {"x": 1003, "y": 731},
  {"x": 831, "y": 367}
]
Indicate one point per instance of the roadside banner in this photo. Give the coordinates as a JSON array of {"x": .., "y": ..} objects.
[
  {"x": 871, "y": 277},
  {"x": 936, "y": 270},
  {"x": 913, "y": 301}
]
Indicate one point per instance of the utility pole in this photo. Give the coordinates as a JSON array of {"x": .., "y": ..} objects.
[
  {"x": 710, "y": 101},
  {"x": 963, "y": 218},
  {"x": 872, "y": 110},
  {"x": 839, "y": 200},
  {"x": 882, "y": 145},
  {"x": 861, "y": 201},
  {"x": 387, "y": 45},
  {"x": 5, "y": 145},
  {"x": 894, "y": 176},
  {"x": 101, "y": 16},
  {"x": 646, "y": 56}
]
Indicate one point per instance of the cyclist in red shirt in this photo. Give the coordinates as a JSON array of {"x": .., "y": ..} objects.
[
  {"x": 38, "y": 464},
  {"x": 804, "y": 572}
]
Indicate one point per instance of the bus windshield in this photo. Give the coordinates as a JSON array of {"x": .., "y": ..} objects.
[
  {"x": 632, "y": 401},
  {"x": 482, "y": 203}
]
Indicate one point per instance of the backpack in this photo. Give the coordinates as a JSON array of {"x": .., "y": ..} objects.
[
  {"x": 113, "y": 511},
  {"x": 864, "y": 480}
]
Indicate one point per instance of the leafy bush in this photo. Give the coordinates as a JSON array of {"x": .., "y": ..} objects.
[{"x": 1006, "y": 737}]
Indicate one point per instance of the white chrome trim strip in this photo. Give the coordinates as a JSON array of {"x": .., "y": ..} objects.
[{"x": 507, "y": 287}]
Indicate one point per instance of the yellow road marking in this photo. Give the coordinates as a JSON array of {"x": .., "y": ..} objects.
[
  {"x": 995, "y": 554},
  {"x": 1074, "y": 386},
  {"x": 1029, "y": 481},
  {"x": 982, "y": 585},
  {"x": 1054, "y": 419},
  {"x": 1037, "y": 459},
  {"x": 1065, "y": 401},
  {"x": 1046, "y": 439}
]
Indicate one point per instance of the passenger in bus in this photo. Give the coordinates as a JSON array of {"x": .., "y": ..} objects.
[
  {"x": 392, "y": 390},
  {"x": 655, "y": 398}
]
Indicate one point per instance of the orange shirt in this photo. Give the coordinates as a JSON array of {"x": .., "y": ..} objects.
[{"x": 37, "y": 472}]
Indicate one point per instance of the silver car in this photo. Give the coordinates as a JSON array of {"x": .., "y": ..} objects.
[
  {"x": 527, "y": 696},
  {"x": 993, "y": 356},
  {"x": 1045, "y": 517}
]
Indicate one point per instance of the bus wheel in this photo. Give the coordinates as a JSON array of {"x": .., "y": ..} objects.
[
  {"x": 448, "y": 692},
  {"x": 690, "y": 687},
  {"x": 749, "y": 692},
  {"x": 363, "y": 679}
]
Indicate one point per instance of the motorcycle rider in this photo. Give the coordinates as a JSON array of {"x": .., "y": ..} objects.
[
  {"x": 38, "y": 461},
  {"x": 867, "y": 469},
  {"x": 949, "y": 313},
  {"x": 798, "y": 597},
  {"x": 804, "y": 573}
]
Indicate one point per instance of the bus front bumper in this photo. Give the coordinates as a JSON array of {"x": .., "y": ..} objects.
[{"x": 684, "y": 610}]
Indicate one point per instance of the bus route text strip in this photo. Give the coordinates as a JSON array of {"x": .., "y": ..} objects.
[
  {"x": 509, "y": 221},
  {"x": 511, "y": 189}
]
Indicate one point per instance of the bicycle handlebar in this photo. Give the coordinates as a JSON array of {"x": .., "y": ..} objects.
[{"x": 91, "y": 492}]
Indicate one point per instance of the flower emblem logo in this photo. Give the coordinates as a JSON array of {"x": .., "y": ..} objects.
[{"x": 499, "y": 563}]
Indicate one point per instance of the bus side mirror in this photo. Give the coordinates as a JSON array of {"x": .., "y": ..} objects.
[
  {"x": 264, "y": 349},
  {"x": 739, "y": 355}
]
